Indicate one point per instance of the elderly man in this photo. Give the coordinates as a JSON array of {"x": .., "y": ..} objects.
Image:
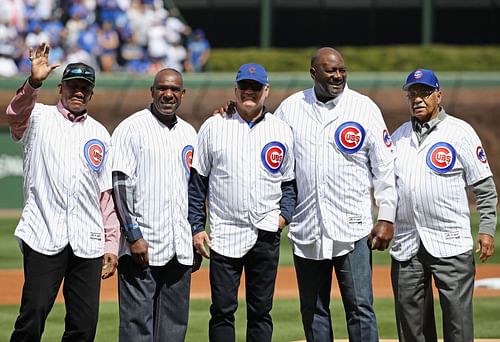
[
  {"x": 68, "y": 222},
  {"x": 439, "y": 157},
  {"x": 244, "y": 166}
]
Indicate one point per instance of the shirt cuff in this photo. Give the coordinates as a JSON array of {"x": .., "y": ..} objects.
[
  {"x": 111, "y": 245},
  {"x": 386, "y": 214},
  {"x": 133, "y": 235}
]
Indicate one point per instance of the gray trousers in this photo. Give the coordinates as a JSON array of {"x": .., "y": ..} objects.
[
  {"x": 411, "y": 283},
  {"x": 154, "y": 301}
]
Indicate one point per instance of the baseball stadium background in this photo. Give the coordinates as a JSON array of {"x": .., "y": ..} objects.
[{"x": 382, "y": 40}]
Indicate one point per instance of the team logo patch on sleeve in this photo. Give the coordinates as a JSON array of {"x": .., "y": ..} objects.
[
  {"x": 94, "y": 152},
  {"x": 187, "y": 158},
  {"x": 349, "y": 137},
  {"x": 387, "y": 138},
  {"x": 481, "y": 155},
  {"x": 441, "y": 157},
  {"x": 273, "y": 155}
]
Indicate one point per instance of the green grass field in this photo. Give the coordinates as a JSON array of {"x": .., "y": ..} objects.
[
  {"x": 287, "y": 324},
  {"x": 286, "y": 317}
]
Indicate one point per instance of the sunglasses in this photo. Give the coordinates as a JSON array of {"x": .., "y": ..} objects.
[
  {"x": 82, "y": 71},
  {"x": 255, "y": 86},
  {"x": 420, "y": 93}
]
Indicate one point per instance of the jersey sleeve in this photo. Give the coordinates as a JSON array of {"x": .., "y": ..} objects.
[
  {"x": 202, "y": 158},
  {"x": 288, "y": 169},
  {"x": 473, "y": 157},
  {"x": 382, "y": 155},
  {"x": 105, "y": 181},
  {"x": 124, "y": 150}
]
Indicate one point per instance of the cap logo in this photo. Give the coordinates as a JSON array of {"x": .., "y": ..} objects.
[
  {"x": 187, "y": 158},
  {"x": 418, "y": 74},
  {"x": 481, "y": 155},
  {"x": 441, "y": 157},
  {"x": 251, "y": 69},
  {"x": 349, "y": 137},
  {"x": 94, "y": 153},
  {"x": 387, "y": 138},
  {"x": 272, "y": 156}
]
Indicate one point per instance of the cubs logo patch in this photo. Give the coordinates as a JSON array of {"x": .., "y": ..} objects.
[
  {"x": 441, "y": 157},
  {"x": 272, "y": 156},
  {"x": 418, "y": 74},
  {"x": 187, "y": 158},
  {"x": 349, "y": 137},
  {"x": 94, "y": 152},
  {"x": 387, "y": 138},
  {"x": 481, "y": 155}
]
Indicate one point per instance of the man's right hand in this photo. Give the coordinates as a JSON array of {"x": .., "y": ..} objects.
[
  {"x": 227, "y": 109},
  {"x": 40, "y": 68},
  {"x": 199, "y": 241},
  {"x": 139, "y": 252}
]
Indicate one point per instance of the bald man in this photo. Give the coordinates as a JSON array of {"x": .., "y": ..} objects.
[
  {"x": 154, "y": 149},
  {"x": 343, "y": 151}
]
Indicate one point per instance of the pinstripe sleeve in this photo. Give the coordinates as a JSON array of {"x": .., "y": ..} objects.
[{"x": 124, "y": 200}]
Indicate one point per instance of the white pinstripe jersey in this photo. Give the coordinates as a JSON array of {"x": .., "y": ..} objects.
[
  {"x": 66, "y": 167},
  {"x": 157, "y": 160},
  {"x": 340, "y": 148},
  {"x": 431, "y": 183},
  {"x": 246, "y": 167}
]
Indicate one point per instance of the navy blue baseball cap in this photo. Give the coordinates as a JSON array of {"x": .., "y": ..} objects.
[
  {"x": 79, "y": 70},
  {"x": 422, "y": 76},
  {"x": 252, "y": 71}
]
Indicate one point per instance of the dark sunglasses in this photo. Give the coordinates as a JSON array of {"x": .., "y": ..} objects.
[
  {"x": 79, "y": 71},
  {"x": 255, "y": 86}
]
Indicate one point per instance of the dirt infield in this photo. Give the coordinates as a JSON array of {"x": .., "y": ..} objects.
[{"x": 12, "y": 280}]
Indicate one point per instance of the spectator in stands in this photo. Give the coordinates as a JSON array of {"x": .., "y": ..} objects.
[
  {"x": 157, "y": 44},
  {"x": 75, "y": 24},
  {"x": 87, "y": 40},
  {"x": 134, "y": 57},
  {"x": 36, "y": 36},
  {"x": 198, "y": 50},
  {"x": 8, "y": 67},
  {"x": 13, "y": 11},
  {"x": 109, "y": 44},
  {"x": 176, "y": 56},
  {"x": 176, "y": 28}
]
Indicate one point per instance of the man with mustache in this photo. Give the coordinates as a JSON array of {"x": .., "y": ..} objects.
[
  {"x": 243, "y": 166},
  {"x": 153, "y": 150},
  {"x": 68, "y": 221},
  {"x": 342, "y": 151},
  {"x": 439, "y": 157}
]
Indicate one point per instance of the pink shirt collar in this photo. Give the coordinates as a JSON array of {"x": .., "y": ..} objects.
[{"x": 68, "y": 115}]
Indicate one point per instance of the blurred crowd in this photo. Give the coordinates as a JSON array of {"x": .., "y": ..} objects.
[{"x": 139, "y": 36}]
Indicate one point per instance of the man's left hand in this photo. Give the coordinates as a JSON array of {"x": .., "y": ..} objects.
[
  {"x": 109, "y": 264},
  {"x": 485, "y": 246},
  {"x": 282, "y": 223},
  {"x": 381, "y": 235}
]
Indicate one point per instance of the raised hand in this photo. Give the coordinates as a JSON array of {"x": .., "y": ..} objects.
[{"x": 40, "y": 68}]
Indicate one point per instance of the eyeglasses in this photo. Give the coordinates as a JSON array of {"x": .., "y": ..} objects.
[
  {"x": 420, "y": 93},
  {"x": 255, "y": 86}
]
